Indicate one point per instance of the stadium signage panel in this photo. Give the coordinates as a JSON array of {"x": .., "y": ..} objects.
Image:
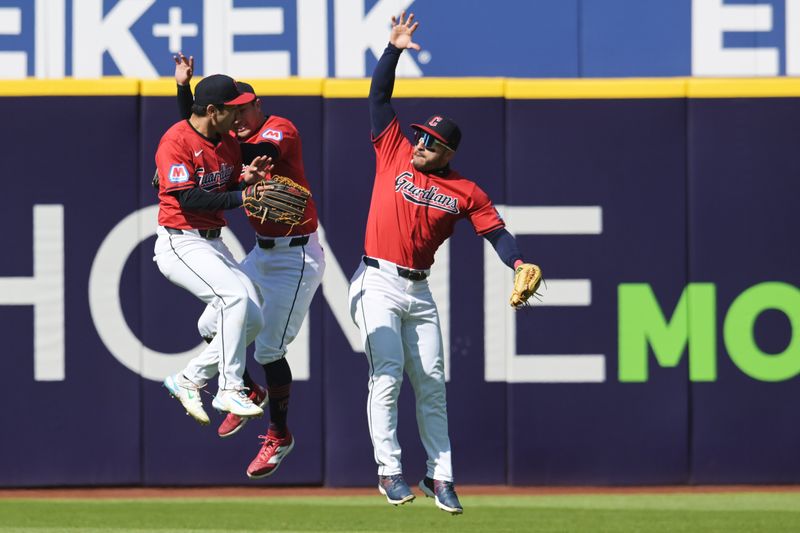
[
  {"x": 642, "y": 322},
  {"x": 136, "y": 38},
  {"x": 340, "y": 38}
]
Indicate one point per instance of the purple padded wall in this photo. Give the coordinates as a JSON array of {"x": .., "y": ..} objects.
[
  {"x": 733, "y": 225},
  {"x": 83, "y": 430},
  {"x": 629, "y": 158},
  {"x": 744, "y": 222}
]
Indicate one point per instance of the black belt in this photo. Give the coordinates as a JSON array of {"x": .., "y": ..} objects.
[
  {"x": 412, "y": 275},
  {"x": 270, "y": 243},
  {"x": 212, "y": 233}
]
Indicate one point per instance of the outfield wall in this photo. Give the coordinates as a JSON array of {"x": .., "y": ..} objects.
[{"x": 666, "y": 349}]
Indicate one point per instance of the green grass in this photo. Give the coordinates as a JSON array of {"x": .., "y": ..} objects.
[{"x": 651, "y": 513}]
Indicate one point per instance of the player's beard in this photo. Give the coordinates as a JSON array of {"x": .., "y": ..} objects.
[
  {"x": 427, "y": 166},
  {"x": 421, "y": 167}
]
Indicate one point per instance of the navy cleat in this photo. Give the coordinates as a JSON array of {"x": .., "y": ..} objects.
[
  {"x": 395, "y": 489},
  {"x": 443, "y": 493}
]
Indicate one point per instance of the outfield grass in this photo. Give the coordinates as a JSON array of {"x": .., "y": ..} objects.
[{"x": 651, "y": 513}]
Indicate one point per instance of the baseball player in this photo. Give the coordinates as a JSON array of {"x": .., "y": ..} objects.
[
  {"x": 286, "y": 264},
  {"x": 200, "y": 175},
  {"x": 416, "y": 201}
]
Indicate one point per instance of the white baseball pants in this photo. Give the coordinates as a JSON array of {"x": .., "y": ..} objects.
[
  {"x": 287, "y": 278},
  {"x": 206, "y": 268},
  {"x": 400, "y": 329}
]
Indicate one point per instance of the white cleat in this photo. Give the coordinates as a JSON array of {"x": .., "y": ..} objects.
[
  {"x": 188, "y": 394},
  {"x": 236, "y": 401}
]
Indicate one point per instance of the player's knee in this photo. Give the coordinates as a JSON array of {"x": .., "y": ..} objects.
[
  {"x": 207, "y": 323},
  {"x": 432, "y": 391},
  {"x": 267, "y": 355},
  {"x": 433, "y": 376},
  {"x": 236, "y": 296},
  {"x": 387, "y": 383},
  {"x": 389, "y": 370},
  {"x": 255, "y": 322},
  {"x": 206, "y": 331},
  {"x": 393, "y": 389}
]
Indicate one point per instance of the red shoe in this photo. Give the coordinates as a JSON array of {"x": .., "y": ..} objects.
[
  {"x": 271, "y": 454},
  {"x": 234, "y": 423}
]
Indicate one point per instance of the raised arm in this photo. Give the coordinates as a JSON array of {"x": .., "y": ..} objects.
[
  {"x": 381, "y": 112},
  {"x": 184, "y": 69}
]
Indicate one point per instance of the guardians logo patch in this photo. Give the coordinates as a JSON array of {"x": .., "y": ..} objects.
[
  {"x": 209, "y": 181},
  {"x": 430, "y": 197}
]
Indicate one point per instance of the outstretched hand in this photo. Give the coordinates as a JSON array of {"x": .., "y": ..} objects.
[
  {"x": 402, "y": 31},
  {"x": 258, "y": 169},
  {"x": 184, "y": 68}
]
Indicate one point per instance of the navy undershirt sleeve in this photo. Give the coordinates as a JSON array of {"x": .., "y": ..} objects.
[
  {"x": 381, "y": 112},
  {"x": 196, "y": 199},
  {"x": 185, "y": 101},
  {"x": 505, "y": 245},
  {"x": 251, "y": 151}
]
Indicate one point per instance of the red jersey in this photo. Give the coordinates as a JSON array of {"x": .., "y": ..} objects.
[
  {"x": 412, "y": 213},
  {"x": 186, "y": 159},
  {"x": 284, "y": 135}
]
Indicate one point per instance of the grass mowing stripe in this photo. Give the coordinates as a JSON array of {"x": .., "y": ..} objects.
[
  {"x": 732, "y": 501},
  {"x": 654, "y": 513}
]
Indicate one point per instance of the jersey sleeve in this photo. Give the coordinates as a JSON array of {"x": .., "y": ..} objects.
[
  {"x": 482, "y": 213},
  {"x": 283, "y": 136},
  {"x": 176, "y": 169},
  {"x": 391, "y": 144}
]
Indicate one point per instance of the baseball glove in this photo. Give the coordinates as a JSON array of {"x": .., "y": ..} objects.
[
  {"x": 527, "y": 279},
  {"x": 279, "y": 199}
]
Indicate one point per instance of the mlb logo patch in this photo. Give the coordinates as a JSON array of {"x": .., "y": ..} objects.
[
  {"x": 273, "y": 135},
  {"x": 178, "y": 173}
]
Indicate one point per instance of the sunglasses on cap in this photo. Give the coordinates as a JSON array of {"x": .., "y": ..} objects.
[{"x": 428, "y": 140}]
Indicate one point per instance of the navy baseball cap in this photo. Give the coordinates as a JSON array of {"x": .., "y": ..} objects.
[
  {"x": 442, "y": 128},
  {"x": 219, "y": 89},
  {"x": 245, "y": 87}
]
